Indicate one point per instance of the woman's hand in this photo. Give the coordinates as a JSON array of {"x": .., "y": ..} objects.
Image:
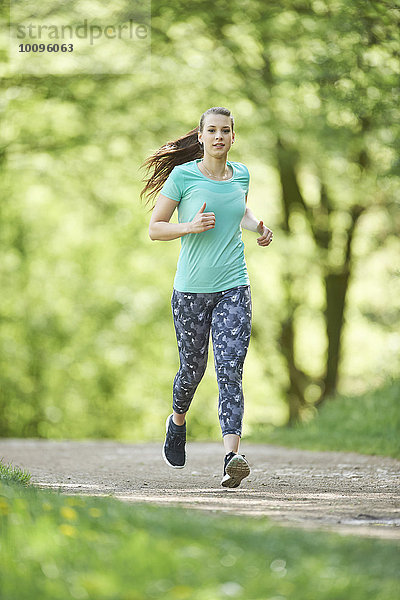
[
  {"x": 202, "y": 221},
  {"x": 266, "y": 235}
]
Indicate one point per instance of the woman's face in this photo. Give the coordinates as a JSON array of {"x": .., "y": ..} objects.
[{"x": 217, "y": 135}]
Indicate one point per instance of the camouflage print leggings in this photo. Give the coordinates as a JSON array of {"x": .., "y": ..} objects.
[{"x": 228, "y": 315}]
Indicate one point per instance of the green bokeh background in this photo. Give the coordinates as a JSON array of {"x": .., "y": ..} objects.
[{"x": 87, "y": 346}]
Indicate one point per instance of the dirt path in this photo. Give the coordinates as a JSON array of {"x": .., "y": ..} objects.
[{"x": 348, "y": 493}]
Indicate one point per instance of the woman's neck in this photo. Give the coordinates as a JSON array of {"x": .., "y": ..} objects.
[{"x": 215, "y": 167}]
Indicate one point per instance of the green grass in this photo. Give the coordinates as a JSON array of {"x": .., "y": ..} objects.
[
  {"x": 10, "y": 473},
  {"x": 369, "y": 424},
  {"x": 54, "y": 547}
]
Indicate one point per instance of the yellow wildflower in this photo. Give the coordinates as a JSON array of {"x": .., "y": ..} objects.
[
  {"x": 68, "y": 513},
  {"x": 68, "y": 530}
]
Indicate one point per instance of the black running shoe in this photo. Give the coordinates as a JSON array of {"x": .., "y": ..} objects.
[
  {"x": 174, "y": 446},
  {"x": 236, "y": 468}
]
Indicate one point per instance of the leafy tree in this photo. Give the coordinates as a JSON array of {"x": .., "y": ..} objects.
[
  {"x": 323, "y": 79},
  {"x": 86, "y": 340}
]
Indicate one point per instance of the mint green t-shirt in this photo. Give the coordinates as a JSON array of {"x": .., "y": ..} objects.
[{"x": 211, "y": 261}]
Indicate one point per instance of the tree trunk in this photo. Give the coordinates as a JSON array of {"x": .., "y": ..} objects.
[
  {"x": 298, "y": 380},
  {"x": 336, "y": 286}
]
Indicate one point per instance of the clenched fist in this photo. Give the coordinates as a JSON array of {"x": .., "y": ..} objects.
[
  {"x": 202, "y": 221},
  {"x": 266, "y": 235}
]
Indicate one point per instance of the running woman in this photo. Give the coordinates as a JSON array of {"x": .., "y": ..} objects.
[{"x": 211, "y": 289}]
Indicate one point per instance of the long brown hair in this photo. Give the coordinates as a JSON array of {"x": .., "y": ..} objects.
[{"x": 186, "y": 148}]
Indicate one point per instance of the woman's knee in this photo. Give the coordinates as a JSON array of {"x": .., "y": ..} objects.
[
  {"x": 193, "y": 378},
  {"x": 189, "y": 378},
  {"x": 229, "y": 370}
]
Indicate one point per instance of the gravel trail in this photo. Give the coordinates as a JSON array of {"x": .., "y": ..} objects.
[{"x": 343, "y": 492}]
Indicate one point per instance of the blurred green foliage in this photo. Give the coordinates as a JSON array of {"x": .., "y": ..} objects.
[
  {"x": 55, "y": 547},
  {"x": 87, "y": 346},
  {"x": 369, "y": 424}
]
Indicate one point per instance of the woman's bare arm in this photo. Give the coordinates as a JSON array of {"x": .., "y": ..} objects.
[
  {"x": 251, "y": 223},
  {"x": 160, "y": 227}
]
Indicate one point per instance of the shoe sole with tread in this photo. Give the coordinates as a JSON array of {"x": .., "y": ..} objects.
[{"x": 236, "y": 470}]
